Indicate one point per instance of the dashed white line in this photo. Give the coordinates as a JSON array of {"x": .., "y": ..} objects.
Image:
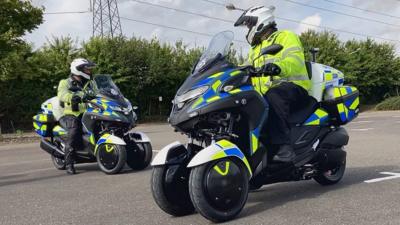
[
  {"x": 29, "y": 172},
  {"x": 366, "y": 121},
  {"x": 362, "y": 129},
  {"x": 24, "y": 162}
]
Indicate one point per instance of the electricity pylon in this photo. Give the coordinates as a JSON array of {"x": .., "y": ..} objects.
[{"x": 106, "y": 21}]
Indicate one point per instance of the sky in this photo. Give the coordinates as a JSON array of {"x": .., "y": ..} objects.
[{"x": 79, "y": 26}]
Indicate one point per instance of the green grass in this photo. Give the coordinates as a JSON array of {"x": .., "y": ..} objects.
[{"x": 392, "y": 103}]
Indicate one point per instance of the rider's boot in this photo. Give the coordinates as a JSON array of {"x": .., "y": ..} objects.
[
  {"x": 285, "y": 154},
  {"x": 69, "y": 162}
]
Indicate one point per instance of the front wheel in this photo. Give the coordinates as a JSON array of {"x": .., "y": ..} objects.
[
  {"x": 111, "y": 158},
  {"x": 139, "y": 155},
  {"x": 169, "y": 186},
  {"x": 332, "y": 176},
  {"x": 219, "y": 189}
]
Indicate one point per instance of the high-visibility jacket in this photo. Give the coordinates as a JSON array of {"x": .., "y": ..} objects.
[
  {"x": 67, "y": 88},
  {"x": 290, "y": 59}
]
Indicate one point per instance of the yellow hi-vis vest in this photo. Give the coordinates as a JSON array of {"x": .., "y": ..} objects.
[
  {"x": 65, "y": 95},
  {"x": 290, "y": 59}
]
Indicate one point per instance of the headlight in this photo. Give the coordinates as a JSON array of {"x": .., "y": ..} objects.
[
  {"x": 116, "y": 108},
  {"x": 190, "y": 94},
  {"x": 121, "y": 109}
]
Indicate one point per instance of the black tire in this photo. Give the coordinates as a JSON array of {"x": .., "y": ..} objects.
[
  {"x": 175, "y": 202},
  {"x": 139, "y": 157},
  {"x": 58, "y": 163},
  {"x": 254, "y": 187},
  {"x": 201, "y": 188},
  {"x": 115, "y": 162},
  {"x": 331, "y": 177}
]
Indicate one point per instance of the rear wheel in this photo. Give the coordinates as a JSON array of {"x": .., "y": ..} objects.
[
  {"x": 170, "y": 191},
  {"x": 139, "y": 155},
  {"x": 111, "y": 158},
  {"x": 58, "y": 163},
  {"x": 332, "y": 176},
  {"x": 219, "y": 189}
]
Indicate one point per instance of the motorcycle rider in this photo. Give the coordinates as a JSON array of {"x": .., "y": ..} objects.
[
  {"x": 71, "y": 96},
  {"x": 290, "y": 84}
]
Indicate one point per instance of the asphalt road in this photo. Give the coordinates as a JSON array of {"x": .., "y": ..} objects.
[{"x": 33, "y": 192}]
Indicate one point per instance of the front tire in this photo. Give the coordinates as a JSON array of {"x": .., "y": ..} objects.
[
  {"x": 139, "y": 156},
  {"x": 111, "y": 158},
  {"x": 219, "y": 189},
  {"x": 172, "y": 197}
]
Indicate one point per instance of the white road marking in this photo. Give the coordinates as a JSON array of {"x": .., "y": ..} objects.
[
  {"x": 156, "y": 150},
  {"x": 397, "y": 121},
  {"x": 362, "y": 129},
  {"x": 392, "y": 176},
  {"x": 396, "y": 116},
  {"x": 30, "y": 171},
  {"x": 24, "y": 162},
  {"x": 366, "y": 121}
]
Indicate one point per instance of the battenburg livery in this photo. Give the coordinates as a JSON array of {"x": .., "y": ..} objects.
[
  {"x": 107, "y": 124},
  {"x": 220, "y": 107}
]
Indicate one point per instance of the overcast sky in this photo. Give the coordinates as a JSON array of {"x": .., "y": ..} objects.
[{"x": 79, "y": 26}]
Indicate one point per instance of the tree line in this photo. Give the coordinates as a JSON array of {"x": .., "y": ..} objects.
[{"x": 144, "y": 70}]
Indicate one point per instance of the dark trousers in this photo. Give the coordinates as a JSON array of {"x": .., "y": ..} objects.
[
  {"x": 74, "y": 126},
  {"x": 283, "y": 99}
]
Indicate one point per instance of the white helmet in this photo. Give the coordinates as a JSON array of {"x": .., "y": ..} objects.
[
  {"x": 257, "y": 19},
  {"x": 82, "y": 67}
]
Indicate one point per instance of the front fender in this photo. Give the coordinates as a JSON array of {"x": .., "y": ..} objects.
[
  {"x": 138, "y": 137},
  {"x": 162, "y": 157},
  {"x": 219, "y": 150},
  {"x": 109, "y": 139}
]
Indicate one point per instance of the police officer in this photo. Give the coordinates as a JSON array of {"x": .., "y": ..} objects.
[
  {"x": 71, "y": 96},
  {"x": 290, "y": 83}
]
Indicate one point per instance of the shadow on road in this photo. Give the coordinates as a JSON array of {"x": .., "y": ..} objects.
[
  {"x": 82, "y": 169},
  {"x": 276, "y": 195}
]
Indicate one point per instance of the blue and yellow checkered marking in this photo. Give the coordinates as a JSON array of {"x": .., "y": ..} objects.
[
  {"x": 58, "y": 131},
  {"x": 230, "y": 149},
  {"x": 331, "y": 74},
  {"x": 106, "y": 106},
  {"x": 41, "y": 124},
  {"x": 348, "y": 110},
  {"x": 102, "y": 140},
  {"x": 215, "y": 81},
  {"x": 319, "y": 117},
  {"x": 40, "y": 128}
]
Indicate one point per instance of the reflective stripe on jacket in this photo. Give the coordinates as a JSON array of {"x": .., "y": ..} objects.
[
  {"x": 290, "y": 59},
  {"x": 65, "y": 94}
]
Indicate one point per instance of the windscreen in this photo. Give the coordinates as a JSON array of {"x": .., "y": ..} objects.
[
  {"x": 104, "y": 85},
  {"x": 218, "y": 47}
]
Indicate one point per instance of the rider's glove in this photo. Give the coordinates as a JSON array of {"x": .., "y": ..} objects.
[
  {"x": 76, "y": 99},
  {"x": 88, "y": 96},
  {"x": 271, "y": 69}
]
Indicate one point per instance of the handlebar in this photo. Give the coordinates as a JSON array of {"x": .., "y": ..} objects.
[{"x": 255, "y": 72}]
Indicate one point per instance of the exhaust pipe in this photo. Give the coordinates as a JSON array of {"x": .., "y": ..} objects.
[{"x": 50, "y": 148}]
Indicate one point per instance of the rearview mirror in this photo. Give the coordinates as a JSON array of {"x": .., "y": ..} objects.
[{"x": 272, "y": 49}]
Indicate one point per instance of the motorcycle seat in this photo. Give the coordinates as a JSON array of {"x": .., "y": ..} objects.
[{"x": 302, "y": 114}]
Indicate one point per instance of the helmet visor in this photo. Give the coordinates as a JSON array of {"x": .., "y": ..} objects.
[
  {"x": 248, "y": 21},
  {"x": 86, "y": 68}
]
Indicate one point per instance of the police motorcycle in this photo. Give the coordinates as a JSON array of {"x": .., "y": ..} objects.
[
  {"x": 107, "y": 124},
  {"x": 223, "y": 113}
]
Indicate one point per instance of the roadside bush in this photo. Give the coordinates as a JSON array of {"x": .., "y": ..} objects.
[{"x": 392, "y": 103}]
